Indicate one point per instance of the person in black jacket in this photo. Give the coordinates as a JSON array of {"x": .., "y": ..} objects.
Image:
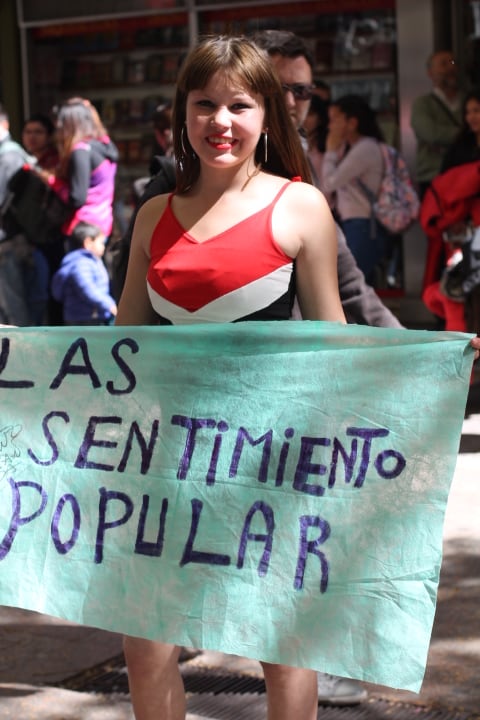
[
  {"x": 163, "y": 180},
  {"x": 162, "y": 130}
]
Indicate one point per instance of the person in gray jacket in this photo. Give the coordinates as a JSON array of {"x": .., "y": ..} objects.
[
  {"x": 12, "y": 158},
  {"x": 16, "y": 253}
]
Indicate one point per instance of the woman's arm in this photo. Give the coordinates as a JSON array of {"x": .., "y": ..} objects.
[
  {"x": 303, "y": 214},
  {"x": 79, "y": 172},
  {"x": 362, "y": 157},
  {"x": 316, "y": 268}
]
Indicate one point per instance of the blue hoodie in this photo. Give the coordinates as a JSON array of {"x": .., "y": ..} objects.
[{"x": 83, "y": 286}]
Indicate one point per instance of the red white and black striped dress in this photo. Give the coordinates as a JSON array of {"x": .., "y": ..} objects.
[{"x": 239, "y": 274}]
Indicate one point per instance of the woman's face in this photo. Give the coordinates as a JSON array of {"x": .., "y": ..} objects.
[
  {"x": 224, "y": 121},
  {"x": 472, "y": 116},
  {"x": 34, "y": 138}
]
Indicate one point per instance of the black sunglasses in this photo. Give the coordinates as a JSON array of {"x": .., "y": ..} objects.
[{"x": 299, "y": 91}]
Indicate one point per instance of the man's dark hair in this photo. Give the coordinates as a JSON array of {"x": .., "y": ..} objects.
[
  {"x": 43, "y": 120},
  {"x": 355, "y": 106},
  {"x": 285, "y": 43}
]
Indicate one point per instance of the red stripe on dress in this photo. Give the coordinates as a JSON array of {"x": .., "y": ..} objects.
[{"x": 191, "y": 274}]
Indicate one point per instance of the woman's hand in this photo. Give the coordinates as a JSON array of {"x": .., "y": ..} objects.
[
  {"x": 335, "y": 139},
  {"x": 43, "y": 174},
  {"x": 475, "y": 343}
]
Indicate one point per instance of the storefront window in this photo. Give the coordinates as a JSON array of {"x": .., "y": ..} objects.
[{"x": 33, "y": 11}]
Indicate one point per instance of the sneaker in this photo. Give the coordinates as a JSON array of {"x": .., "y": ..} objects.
[{"x": 334, "y": 690}]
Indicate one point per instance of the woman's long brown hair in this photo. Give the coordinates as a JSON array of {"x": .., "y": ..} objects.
[{"x": 74, "y": 123}]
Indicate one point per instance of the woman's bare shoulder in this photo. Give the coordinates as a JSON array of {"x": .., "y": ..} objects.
[
  {"x": 150, "y": 212},
  {"x": 146, "y": 220},
  {"x": 300, "y": 215},
  {"x": 305, "y": 197}
]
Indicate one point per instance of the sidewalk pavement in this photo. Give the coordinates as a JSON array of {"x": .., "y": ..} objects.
[{"x": 39, "y": 651}]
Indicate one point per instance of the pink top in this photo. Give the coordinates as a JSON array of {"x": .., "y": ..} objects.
[{"x": 364, "y": 161}]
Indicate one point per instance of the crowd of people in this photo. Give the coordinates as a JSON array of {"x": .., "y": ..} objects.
[
  {"x": 446, "y": 123},
  {"x": 77, "y": 160},
  {"x": 249, "y": 134},
  {"x": 341, "y": 138}
]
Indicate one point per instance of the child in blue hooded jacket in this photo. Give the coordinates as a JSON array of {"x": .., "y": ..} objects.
[{"x": 82, "y": 283}]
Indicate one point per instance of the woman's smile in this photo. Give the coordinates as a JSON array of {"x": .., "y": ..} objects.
[{"x": 221, "y": 142}]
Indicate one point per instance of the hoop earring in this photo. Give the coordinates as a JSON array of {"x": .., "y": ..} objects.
[
  {"x": 182, "y": 143},
  {"x": 265, "y": 147},
  {"x": 182, "y": 140}
]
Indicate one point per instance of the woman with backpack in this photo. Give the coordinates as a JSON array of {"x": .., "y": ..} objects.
[{"x": 352, "y": 166}]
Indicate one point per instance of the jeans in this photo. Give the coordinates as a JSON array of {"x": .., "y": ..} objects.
[
  {"x": 37, "y": 280},
  {"x": 367, "y": 243},
  {"x": 15, "y": 257}
]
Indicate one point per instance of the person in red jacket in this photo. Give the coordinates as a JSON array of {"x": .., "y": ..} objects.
[{"x": 450, "y": 211}]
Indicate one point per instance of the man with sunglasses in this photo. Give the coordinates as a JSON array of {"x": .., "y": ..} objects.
[{"x": 293, "y": 63}]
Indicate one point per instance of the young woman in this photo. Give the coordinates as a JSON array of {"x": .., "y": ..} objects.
[
  {"x": 231, "y": 233},
  {"x": 87, "y": 167},
  {"x": 353, "y": 158}
]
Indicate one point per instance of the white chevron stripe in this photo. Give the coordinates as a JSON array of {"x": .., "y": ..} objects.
[{"x": 234, "y": 305}]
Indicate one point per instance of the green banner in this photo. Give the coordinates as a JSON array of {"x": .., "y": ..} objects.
[{"x": 272, "y": 490}]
